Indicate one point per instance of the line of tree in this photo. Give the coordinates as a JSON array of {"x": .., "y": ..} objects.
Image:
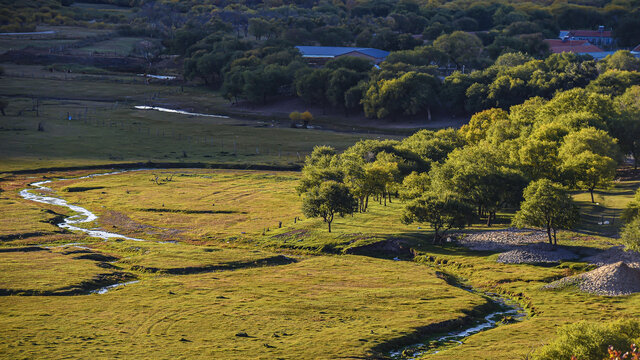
[
  {"x": 393, "y": 24},
  {"x": 408, "y": 83},
  {"x": 526, "y": 158}
]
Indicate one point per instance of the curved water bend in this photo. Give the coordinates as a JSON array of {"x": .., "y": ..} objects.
[
  {"x": 106, "y": 289},
  {"x": 83, "y": 216},
  {"x": 510, "y": 311}
]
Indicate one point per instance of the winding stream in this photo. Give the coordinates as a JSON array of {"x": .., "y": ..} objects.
[
  {"x": 510, "y": 311},
  {"x": 105, "y": 289},
  {"x": 83, "y": 215}
]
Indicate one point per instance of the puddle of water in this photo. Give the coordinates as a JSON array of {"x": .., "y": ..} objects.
[
  {"x": 141, "y": 107},
  {"x": 161, "y": 77},
  {"x": 106, "y": 289},
  {"x": 30, "y": 33}
]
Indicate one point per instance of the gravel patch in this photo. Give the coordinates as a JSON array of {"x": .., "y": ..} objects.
[
  {"x": 612, "y": 280},
  {"x": 536, "y": 254},
  {"x": 501, "y": 240},
  {"x": 613, "y": 255},
  {"x": 518, "y": 246}
]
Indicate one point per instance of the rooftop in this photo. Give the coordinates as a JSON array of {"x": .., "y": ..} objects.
[
  {"x": 586, "y": 33},
  {"x": 333, "y": 51},
  {"x": 575, "y": 46}
]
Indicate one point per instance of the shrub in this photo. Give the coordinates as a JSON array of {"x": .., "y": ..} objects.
[
  {"x": 630, "y": 235},
  {"x": 306, "y": 117},
  {"x": 590, "y": 340},
  {"x": 295, "y": 116}
]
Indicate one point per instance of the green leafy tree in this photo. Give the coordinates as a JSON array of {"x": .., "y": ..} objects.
[
  {"x": 539, "y": 159},
  {"x": 549, "y": 206},
  {"x": 588, "y": 158},
  {"x": 327, "y": 200},
  {"x": 476, "y": 129},
  {"x": 414, "y": 185},
  {"x": 627, "y": 127},
  {"x": 259, "y": 27},
  {"x": 433, "y": 146},
  {"x": 312, "y": 86},
  {"x": 630, "y": 234},
  {"x": 577, "y": 100},
  {"x": 461, "y": 47},
  {"x": 409, "y": 94},
  {"x": 442, "y": 212},
  {"x": 614, "y": 82},
  {"x": 480, "y": 174},
  {"x": 339, "y": 82},
  {"x": 620, "y": 60},
  {"x": 322, "y": 165},
  {"x": 632, "y": 211}
]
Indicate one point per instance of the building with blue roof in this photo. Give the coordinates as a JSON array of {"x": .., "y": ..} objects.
[
  {"x": 603, "y": 54},
  {"x": 319, "y": 55}
]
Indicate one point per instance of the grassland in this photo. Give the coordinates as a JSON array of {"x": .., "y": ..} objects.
[
  {"x": 362, "y": 311},
  {"x": 310, "y": 309},
  {"x": 120, "y": 46},
  {"x": 246, "y": 261},
  {"x": 106, "y": 128}
]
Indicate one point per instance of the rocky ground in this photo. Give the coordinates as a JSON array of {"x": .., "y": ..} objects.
[
  {"x": 518, "y": 246},
  {"x": 618, "y": 274},
  {"x": 613, "y": 255},
  {"x": 612, "y": 280},
  {"x": 501, "y": 240},
  {"x": 535, "y": 254}
]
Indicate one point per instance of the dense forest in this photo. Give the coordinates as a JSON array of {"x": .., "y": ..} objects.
[{"x": 452, "y": 56}]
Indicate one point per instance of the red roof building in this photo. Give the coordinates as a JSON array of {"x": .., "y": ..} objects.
[
  {"x": 573, "y": 46},
  {"x": 600, "y": 37}
]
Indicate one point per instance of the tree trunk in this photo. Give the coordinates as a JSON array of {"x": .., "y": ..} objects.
[
  {"x": 489, "y": 219},
  {"x": 366, "y": 203},
  {"x": 555, "y": 239},
  {"x": 591, "y": 191},
  {"x": 329, "y": 223},
  {"x": 384, "y": 195},
  {"x": 549, "y": 234}
]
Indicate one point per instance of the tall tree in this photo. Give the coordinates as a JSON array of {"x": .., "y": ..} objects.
[
  {"x": 442, "y": 212},
  {"x": 327, "y": 200},
  {"x": 461, "y": 47},
  {"x": 547, "y": 205},
  {"x": 627, "y": 127},
  {"x": 589, "y": 159}
]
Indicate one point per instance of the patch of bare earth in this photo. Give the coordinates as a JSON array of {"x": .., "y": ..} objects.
[{"x": 130, "y": 227}]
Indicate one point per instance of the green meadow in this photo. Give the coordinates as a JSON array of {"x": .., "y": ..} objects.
[
  {"x": 291, "y": 290},
  {"x": 230, "y": 267}
]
